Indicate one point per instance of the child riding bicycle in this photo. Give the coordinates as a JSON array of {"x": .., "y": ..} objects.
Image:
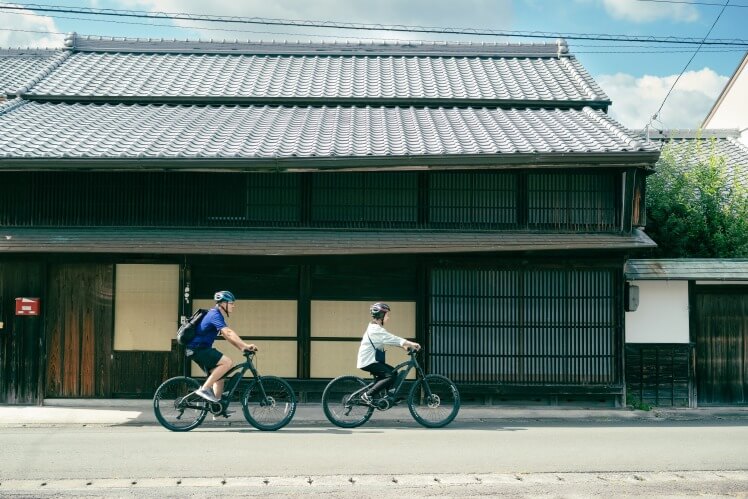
[{"x": 371, "y": 350}]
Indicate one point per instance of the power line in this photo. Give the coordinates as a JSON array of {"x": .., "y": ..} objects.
[
  {"x": 652, "y": 50},
  {"x": 657, "y": 114},
  {"x": 181, "y": 16},
  {"x": 687, "y": 2}
]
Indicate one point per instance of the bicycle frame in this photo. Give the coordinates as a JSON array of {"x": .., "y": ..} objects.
[
  {"x": 233, "y": 384},
  {"x": 401, "y": 373}
]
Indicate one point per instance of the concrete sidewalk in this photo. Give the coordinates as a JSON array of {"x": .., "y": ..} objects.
[{"x": 115, "y": 412}]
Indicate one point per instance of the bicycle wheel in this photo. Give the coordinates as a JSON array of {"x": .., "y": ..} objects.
[
  {"x": 339, "y": 406},
  {"x": 271, "y": 411},
  {"x": 177, "y": 407},
  {"x": 434, "y": 401}
]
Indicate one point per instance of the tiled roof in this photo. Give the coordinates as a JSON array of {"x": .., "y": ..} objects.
[
  {"x": 19, "y": 67},
  {"x": 301, "y": 242},
  {"x": 706, "y": 269},
  {"x": 689, "y": 147},
  {"x": 253, "y": 78},
  {"x": 37, "y": 130}
]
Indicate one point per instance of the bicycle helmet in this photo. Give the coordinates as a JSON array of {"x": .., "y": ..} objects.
[
  {"x": 378, "y": 310},
  {"x": 224, "y": 296}
]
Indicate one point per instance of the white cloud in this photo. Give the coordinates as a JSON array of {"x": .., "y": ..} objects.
[
  {"x": 468, "y": 13},
  {"x": 28, "y": 30},
  {"x": 635, "y": 100},
  {"x": 644, "y": 12}
]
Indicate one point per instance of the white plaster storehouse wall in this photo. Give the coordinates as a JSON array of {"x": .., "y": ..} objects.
[{"x": 662, "y": 316}]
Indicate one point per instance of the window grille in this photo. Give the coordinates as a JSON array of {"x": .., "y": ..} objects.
[
  {"x": 528, "y": 327},
  {"x": 473, "y": 199}
]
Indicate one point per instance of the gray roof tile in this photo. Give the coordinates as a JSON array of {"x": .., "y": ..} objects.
[
  {"x": 103, "y": 131},
  {"x": 20, "y": 67},
  {"x": 689, "y": 147},
  {"x": 315, "y": 77},
  {"x": 301, "y": 242},
  {"x": 720, "y": 269}
]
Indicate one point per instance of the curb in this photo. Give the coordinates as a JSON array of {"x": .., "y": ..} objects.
[{"x": 116, "y": 412}]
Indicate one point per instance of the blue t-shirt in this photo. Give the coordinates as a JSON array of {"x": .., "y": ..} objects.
[{"x": 208, "y": 329}]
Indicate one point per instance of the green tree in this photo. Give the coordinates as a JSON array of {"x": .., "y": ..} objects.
[{"x": 696, "y": 207}]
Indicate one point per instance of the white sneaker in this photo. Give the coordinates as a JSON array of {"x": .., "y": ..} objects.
[
  {"x": 365, "y": 398},
  {"x": 207, "y": 394}
]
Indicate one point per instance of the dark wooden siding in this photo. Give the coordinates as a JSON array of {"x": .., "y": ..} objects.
[
  {"x": 541, "y": 326},
  {"x": 79, "y": 330},
  {"x": 659, "y": 374},
  {"x": 21, "y": 338},
  {"x": 721, "y": 336},
  {"x": 137, "y": 374},
  {"x": 497, "y": 200}
]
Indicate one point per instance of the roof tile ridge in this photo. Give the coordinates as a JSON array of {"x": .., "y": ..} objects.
[
  {"x": 92, "y": 43},
  {"x": 45, "y": 72},
  {"x": 8, "y": 106},
  {"x": 38, "y": 51},
  {"x": 583, "y": 78},
  {"x": 618, "y": 130}
]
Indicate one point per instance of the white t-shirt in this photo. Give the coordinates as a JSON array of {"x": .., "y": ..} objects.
[{"x": 380, "y": 337}]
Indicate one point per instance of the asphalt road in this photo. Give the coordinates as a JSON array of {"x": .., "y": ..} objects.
[{"x": 378, "y": 460}]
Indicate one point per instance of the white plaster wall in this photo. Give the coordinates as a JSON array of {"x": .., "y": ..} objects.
[
  {"x": 733, "y": 110},
  {"x": 662, "y": 316}
]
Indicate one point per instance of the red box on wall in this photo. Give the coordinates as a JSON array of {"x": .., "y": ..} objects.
[{"x": 27, "y": 306}]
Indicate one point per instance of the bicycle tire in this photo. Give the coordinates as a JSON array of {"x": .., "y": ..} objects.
[
  {"x": 335, "y": 402},
  {"x": 439, "y": 408},
  {"x": 176, "y": 407},
  {"x": 272, "y": 412}
]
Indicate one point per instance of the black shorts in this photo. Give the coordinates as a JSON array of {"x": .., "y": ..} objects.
[
  {"x": 206, "y": 358},
  {"x": 379, "y": 370}
]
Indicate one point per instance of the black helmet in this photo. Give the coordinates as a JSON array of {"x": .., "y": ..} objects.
[
  {"x": 379, "y": 309},
  {"x": 224, "y": 296}
]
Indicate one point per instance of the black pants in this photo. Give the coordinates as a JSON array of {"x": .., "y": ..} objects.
[{"x": 384, "y": 374}]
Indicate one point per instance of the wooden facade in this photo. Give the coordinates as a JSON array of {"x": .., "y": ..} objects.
[
  {"x": 22, "y": 348},
  {"x": 660, "y": 374},
  {"x": 512, "y": 324},
  {"x": 568, "y": 200},
  {"x": 720, "y": 330}
]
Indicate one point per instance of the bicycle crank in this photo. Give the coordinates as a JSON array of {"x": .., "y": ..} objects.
[{"x": 382, "y": 404}]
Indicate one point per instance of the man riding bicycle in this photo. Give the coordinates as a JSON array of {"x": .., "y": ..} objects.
[{"x": 201, "y": 351}]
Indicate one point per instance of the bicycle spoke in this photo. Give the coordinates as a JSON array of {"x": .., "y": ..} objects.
[
  {"x": 270, "y": 406},
  {"x": 434, "y": 401},
  {"x": 176, "y": 406},
  {"x": 342, "y": 404}
]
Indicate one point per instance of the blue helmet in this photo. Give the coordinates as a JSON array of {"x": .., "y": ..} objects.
[{"x": 224, "y": 296}]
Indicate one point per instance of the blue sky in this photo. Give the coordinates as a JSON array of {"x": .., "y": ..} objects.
[{"x": 635, "y": 76}]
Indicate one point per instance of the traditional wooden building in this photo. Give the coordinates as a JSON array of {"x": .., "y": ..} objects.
[
  {"x": 482, "y": 190},
  {"x": 686, "y": 343}
]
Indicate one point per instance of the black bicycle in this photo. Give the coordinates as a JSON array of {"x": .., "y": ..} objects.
[
  {"x": 433, "y": 399},
  {"x": 268, "y": 402}
]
